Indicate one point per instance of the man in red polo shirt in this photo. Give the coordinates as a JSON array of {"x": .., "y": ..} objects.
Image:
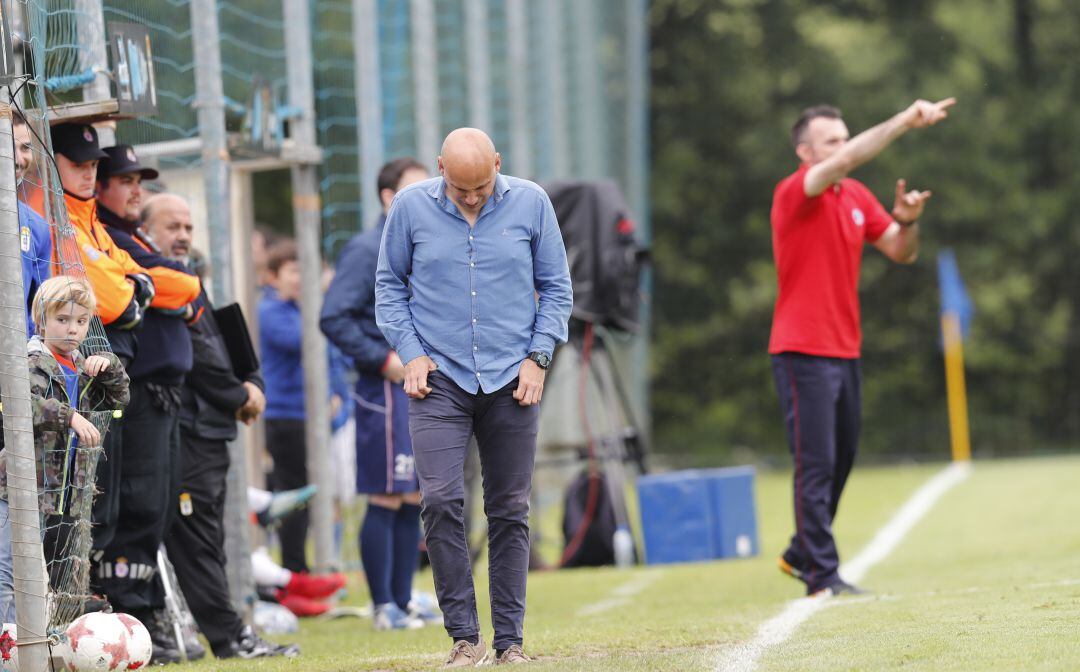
[{"x": 820, "y": 219}]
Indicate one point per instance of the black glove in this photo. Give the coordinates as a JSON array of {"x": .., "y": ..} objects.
[
  {"x": 144, "y": 289},
  {"x": 131, "y": 318}
]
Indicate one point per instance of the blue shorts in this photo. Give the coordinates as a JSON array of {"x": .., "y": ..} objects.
[{"x": 384, "y": 457}]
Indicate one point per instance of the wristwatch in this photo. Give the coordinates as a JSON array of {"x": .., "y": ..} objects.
[{"x": 541, "y": 360}]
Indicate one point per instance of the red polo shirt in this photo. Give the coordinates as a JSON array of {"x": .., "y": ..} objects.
[{"x": 817, "y": 245}]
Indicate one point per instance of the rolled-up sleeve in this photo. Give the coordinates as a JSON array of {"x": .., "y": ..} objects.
[
  {"x": 392, "y": 312},
  {"x": 551, "y": 276}
]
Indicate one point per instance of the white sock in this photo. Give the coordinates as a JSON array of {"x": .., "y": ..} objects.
[
  {"x": 259, "y": 500},
  {"x": 267, "y": 572}
]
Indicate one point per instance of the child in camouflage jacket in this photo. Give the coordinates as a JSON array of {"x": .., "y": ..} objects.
[{"x": 66, "y": 389}]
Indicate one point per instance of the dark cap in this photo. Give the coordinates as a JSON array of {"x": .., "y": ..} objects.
[
  {"x": 78, "y": 142},
  {"x": 121, "y": 160}
]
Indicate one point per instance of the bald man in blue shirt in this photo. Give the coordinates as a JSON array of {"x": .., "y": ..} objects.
[{"x": 473, "y": 292}]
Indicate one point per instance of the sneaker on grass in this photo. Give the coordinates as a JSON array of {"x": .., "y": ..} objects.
[
  {"x": 423, "y": 607},
  {"x": 389, "y": 616},
  {"x": 513, "y": 656},
  {"x": 464, "y": 654}
]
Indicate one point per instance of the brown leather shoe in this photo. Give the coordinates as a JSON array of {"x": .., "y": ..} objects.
[
  {"x": 513, "y": 656},
  {"x": 465, "y": 654}
]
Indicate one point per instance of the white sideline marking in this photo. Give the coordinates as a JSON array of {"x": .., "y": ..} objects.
[
  {"x": 622, "y": 594},
  {"x": 779, "y": 628}
]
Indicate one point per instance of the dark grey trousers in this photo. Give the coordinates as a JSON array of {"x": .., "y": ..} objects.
[{"x": 441, "y": 425}]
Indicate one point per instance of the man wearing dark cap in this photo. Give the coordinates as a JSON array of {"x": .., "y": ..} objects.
[{"x": 125, "y": 570}]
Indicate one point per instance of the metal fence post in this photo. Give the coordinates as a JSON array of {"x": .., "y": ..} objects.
[
  {"x": 305, "y": 184},
  {"x": 210, "y": 106},
  {"x": 556, "y": 96},
  {"x": 521, "y": 158},
  {"x": 372, "y": 150},
  {"x": 425, "y": 68},
  {"x": 29, "y": 572},
  {"x": 478, "y": 65}
]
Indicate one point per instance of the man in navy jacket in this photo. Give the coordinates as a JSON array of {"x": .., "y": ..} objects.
[
  {"x": 391, "y": 530},
  {"x": 148, "y": 485}
]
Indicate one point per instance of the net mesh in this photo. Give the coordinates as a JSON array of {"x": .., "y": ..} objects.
[{"x": 65, "y": 466}]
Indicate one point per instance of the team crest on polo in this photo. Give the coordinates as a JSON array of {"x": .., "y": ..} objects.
[
  {"x": 131, "y": 155},
  {"x": 858, "y": 217}
]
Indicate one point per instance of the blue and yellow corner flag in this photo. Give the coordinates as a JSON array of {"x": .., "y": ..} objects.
[
  {"x": 954, "y": 298},
  {"x": 956, "y": 312}
]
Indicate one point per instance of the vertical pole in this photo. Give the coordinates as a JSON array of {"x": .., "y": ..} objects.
[
  {"x": 90, "y": 23},
  {"x": 551, "y": 35},
  {"x": 369, "y": 137},
  {"x": 636, "y": 146},
  {"x": 30, "y": 582},
  {"x": 425, "y": 70},
  {"x": 591, "y": 147},
  {"x": 478, "y": 65},
  {"x": 210, "y": 106},
  {"x": 521, "y": 158},
  {"x": 955, "y": 386},
  {"x": 305, "y": 184}
]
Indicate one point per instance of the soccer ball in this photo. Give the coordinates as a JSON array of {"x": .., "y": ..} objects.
[
  {"x": 140, "y": 648},
  {"x": 99, "y": 642}
]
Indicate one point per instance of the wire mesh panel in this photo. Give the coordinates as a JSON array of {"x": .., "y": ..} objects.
[
  {"x": 337, "y": 125},
  {"x": 399, "y": 121},
  {"x": 450, "y": 49},
  {"x": 169, "y": 26}
]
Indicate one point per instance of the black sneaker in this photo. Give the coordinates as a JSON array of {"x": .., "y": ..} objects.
[
  {"x": 250, "y": 645},
  {"x": 96, "y": 603},
  {"x": 840, "y": 587},
  {"x": 164, "y": 642},
  {"x": 193, "y": 648}
]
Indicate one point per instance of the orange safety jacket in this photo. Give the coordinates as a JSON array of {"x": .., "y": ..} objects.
[{"x": 107, "y": 267}]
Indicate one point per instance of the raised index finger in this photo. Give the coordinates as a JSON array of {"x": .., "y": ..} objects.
[{"x": 945, "y": 104}]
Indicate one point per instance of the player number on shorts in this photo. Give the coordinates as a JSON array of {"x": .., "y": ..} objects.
[{"x": 403, "y": 466}]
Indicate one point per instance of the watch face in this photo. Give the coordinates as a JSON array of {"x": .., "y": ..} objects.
[{"x": 542, "y": 360}]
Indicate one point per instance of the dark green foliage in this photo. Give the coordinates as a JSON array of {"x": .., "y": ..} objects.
[{"x": 728, "y": 79}]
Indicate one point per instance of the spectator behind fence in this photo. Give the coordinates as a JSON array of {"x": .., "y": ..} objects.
[
  {"x": 390, "y": 532},
  {"x": 473, "y": 293},
  {"x": 126, "y": 568},
  {"x": 35, "y": 241},
  {"x": 282, "y": 361},
  {"x": 213, "y": 398},
  {"x": 65, "y": 387}
]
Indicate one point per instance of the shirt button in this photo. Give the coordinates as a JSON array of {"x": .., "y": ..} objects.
[
  {"x": 474, "y": 320},
  {"x": 470, "y": 237},
  {"x": 475, "y": 347},
  {"x": 477, "y": 374},
  {"x": 472, "y": 263},
  {"x": 474, "y": 293}
]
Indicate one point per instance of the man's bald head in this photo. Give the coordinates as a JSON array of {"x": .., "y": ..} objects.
[
  {"x": 167, "y": 220},
  {"x": 468, "y": 164}
]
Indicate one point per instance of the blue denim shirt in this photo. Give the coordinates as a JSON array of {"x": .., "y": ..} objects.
[{"x": 476, "y": 300}]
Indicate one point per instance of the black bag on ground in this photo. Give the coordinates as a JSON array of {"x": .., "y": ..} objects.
[{"x": 597, "y": 546}]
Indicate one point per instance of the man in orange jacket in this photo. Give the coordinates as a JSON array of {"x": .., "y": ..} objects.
[{"x": 125, "y": 290}]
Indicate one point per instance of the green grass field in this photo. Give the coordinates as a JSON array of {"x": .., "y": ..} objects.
[{"x": 988, "y": 580}]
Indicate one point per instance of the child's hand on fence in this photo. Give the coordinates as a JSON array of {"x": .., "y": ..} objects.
[
  {"x": 85, "y": 430},
  {"x": 95, "y": 364}
]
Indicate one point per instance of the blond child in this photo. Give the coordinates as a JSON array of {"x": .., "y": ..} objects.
[{"x": 65, "y": 387}]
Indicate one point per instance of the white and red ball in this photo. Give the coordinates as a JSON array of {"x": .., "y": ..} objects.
[
  {"x": 98, "y": 642},
  {"x": 140, "y": 648}
]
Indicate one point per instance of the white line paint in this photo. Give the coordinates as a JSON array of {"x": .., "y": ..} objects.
[
  {"x": 775, "y": 631},
  {"x": 622, "y": 595}
]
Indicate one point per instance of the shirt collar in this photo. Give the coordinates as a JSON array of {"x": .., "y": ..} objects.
[{"x": 437, "y": 189}]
